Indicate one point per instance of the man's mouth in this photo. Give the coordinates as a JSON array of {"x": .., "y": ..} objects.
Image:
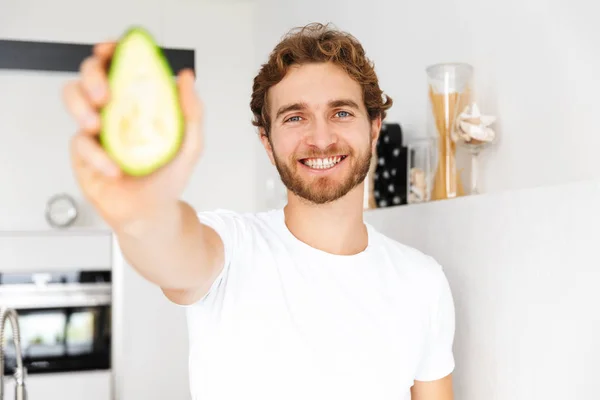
[{"x": 322, "y": 163}]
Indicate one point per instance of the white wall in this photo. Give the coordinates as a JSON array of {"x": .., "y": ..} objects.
[
  {"x": 524, "y": 271},
  {"x": 534, "y": 60}
]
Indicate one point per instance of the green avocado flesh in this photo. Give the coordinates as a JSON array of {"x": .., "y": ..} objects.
[{"x": 142, "y": 124}]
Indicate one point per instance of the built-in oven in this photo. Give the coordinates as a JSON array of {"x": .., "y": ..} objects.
[{"x": 65, "y": 320}]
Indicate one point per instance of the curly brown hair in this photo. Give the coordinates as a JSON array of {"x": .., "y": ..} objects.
[{"x": 311, "y": 43}]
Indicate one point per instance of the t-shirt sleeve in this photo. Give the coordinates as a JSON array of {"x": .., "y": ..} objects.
[
  {"x": 228, "y": 225},
  {"x": 438, "y": 358}
]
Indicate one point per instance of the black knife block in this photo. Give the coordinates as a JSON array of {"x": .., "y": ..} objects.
[{"x": 390, "y": 175}]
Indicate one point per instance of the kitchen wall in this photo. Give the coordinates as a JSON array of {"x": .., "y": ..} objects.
[
  {"x": 534, "y": 66},
  {"x": 523, "y": 267}
]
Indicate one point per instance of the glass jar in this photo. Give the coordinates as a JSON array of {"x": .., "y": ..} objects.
[
  {"x": 419, "y": 170},
  {"x": 450, "y": 91}
]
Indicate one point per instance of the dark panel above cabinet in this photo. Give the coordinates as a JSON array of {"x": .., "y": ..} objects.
[{"x": 67, "y": 57}]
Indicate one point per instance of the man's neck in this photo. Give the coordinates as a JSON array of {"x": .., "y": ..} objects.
[{"x": 336, "y": 228}]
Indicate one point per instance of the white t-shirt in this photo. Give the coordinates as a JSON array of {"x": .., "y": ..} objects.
[{"x": 285, "y": 321}]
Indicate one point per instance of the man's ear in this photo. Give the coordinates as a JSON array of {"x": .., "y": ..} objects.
[
  {"x": 375, "y": 131},
  {"x": 266, "y": 142}
]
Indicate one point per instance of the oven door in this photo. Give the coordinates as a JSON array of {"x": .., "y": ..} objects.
[{"x": 65, "y": 323}]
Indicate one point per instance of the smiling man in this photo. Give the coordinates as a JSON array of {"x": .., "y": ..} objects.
[{"x": 304, "y": 302}]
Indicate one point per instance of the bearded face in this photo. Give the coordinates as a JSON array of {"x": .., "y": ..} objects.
[{"x": 321, "y": 138}]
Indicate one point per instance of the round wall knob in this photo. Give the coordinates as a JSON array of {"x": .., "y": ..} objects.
[{"x": 61, "y": 211}]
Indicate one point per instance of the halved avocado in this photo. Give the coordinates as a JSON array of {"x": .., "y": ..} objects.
[{"x": 142, "y": 124}]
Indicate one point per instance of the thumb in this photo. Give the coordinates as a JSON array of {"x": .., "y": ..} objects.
[{"x": 192, "y": 108}]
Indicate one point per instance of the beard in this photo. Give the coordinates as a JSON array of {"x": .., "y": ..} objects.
[{"x": 322, "y": 190}]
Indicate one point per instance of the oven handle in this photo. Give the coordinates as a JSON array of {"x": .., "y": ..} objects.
[{"x": 55, "y": 295}]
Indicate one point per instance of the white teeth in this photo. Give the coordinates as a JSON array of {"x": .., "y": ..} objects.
[{"x": 322, "y": 163}]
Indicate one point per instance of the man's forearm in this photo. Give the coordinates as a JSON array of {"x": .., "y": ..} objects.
[{"x": 171, "y": 248}]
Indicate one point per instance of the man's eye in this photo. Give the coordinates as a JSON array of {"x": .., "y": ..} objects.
[
  {"x": 293, "y": 119},
  {"x": 343, "y": 114}
]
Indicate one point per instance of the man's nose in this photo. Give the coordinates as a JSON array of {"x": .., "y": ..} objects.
[{"x": 321, "y": 135}]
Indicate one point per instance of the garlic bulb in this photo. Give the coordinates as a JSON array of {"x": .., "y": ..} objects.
[{"x": 472, "y": 125}]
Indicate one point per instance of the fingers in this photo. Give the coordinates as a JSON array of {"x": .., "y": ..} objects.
[
  {"x": 80, "y": 107},
  {"x": 87, "y": 152},
  {"x": 94, "y": 71},
  {"x": 104, "y": 51},
  {"x": 193, "y": 112},
  {"x": 83, "y": 97},
  {"x": 190, "y": 103},
  {"x": 94, "y": 81}
]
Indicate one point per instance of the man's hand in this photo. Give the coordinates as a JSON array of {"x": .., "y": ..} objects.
[
  {"x": 119, "y": 199},
  {"x": 440, "y": 389}
]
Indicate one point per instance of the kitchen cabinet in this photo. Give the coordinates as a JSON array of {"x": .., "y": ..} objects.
[
  {"x": 34, "y": 150},
  {"x": 60, "y": 251},
  {"x": 34, "y": 144},
  {"x": 89, "y": 385}
]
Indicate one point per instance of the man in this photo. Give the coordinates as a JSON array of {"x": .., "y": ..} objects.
[{"x": 307, "y": 302}]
